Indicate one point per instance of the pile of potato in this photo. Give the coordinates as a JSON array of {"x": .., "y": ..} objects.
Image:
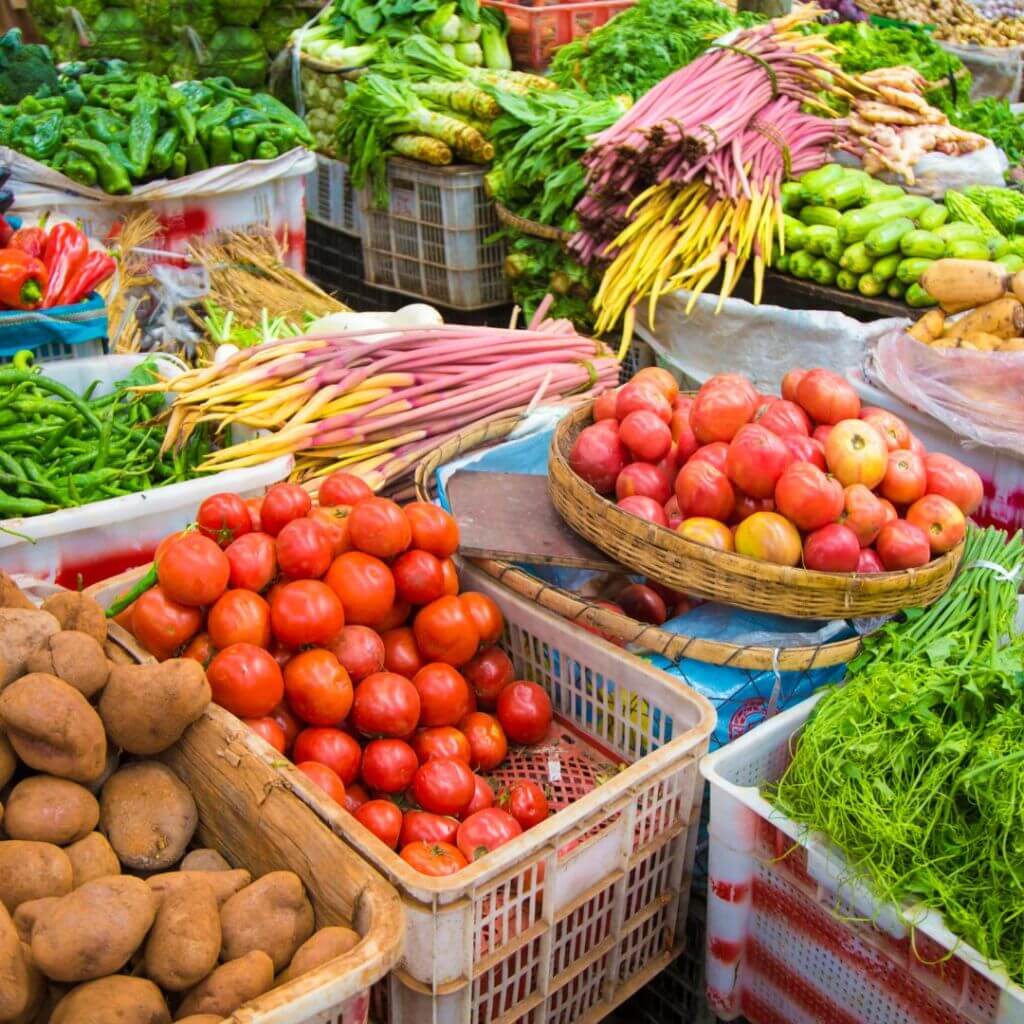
[
  {"x": 104, "y": 914},
  {"x": 958, "y": 21}
]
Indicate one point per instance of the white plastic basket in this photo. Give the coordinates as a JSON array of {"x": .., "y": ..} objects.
[
  {"x": 330, "y": 197},
  {"x": 792, "y": 936}
]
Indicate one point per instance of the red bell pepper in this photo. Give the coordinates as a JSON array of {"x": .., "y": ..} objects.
[
  {"x": 66, "y": 250},
  {"x": 30, "y": 240},
  {"x": 23, "y": 280},
  {"x": 6, "y": 231},
  {"x": 96, "y": 267}
]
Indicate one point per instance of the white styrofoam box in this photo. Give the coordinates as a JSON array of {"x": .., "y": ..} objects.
[{"x": 106, "y": 537}]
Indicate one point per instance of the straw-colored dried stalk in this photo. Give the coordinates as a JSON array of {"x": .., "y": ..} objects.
[{"x": 137, "y": 231}]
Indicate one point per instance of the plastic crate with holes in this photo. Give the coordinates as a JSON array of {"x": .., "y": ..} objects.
[
  {"x": 434, "y": 239},
  {"x": 794, "y": 938},
  {"x": 330, "y": 197},
  {"x": 55, "y": 335}
]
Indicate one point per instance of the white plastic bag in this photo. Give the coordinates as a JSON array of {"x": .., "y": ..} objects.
[
  {"x": 936, "y": 173},
  {"x": 995, "y": 71}
]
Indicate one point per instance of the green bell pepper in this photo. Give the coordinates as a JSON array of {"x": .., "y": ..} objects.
[
  {"x": 37, "y": 136},
  {"x": 113, "y": 178},
  {"x": 79, "y": 169},
  {"x": 104, "y": 125}
]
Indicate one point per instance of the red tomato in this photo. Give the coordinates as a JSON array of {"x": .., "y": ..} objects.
[
  {"x": 704, "y": 491},
  {"x": 246, "y": 680},
  {"x": 281, "y": 504},
  {"x": 443, "y": 785},
  {"x": 364, "y": 586},
  {"x": 200, "y": 648},
  {"x": 306, "y": 612},
  {"x": 598, "y": 456},
  {"x": 660, "y": 378},
  {"x": 445, "y": 696},
  {"x": 526, "y": 802},
  {"x": 769, "y": 537},
  {"x": 485, "y": 831},
  {"x": 451, "y": 577},
  {"x": 433, "y": 529},
  {"x": 255, "y": 506},
  {"x": 161, "y": 625},
  {"x": 396, "y": 617},
  {"x": 239, "y": 617},
  {"x": 445, "y": 631},
  {"x": 419, "y": 578},
  {"x": 193, "y": 570},
  {"x": 483, "y": 796},
  {"x": 894, "y": 431},
  {"x": 645, "y": 435},
  {"x": 441, "y": 741},
  {"x": 940, "y": 519},
  {"x": 383, "y": 819},
  {"x": 422, "y": 826},
  {"x": 604, "y": 406},
  {"x": 833, "y": 548},
  {"x": 304, "y": 549},
  {"x": 161, "y": 548},
  {"x": 808, "y": 497},
  {"x": 906, "y": 477},
  {"x": 805, "y": 449},
  {"x": 952, "y": 479},
  {"x": 224, "y": 518},
  {"x": 746, "y": 506},
  {"x": 902, "y": 545},
  {"x": 290, "y": 725},
  {"x": 355, "y": 796},
  {"x": 282, "y": 655},
  {"x": 342, "y": 488},
  {"x": 389, "y": 765},
  {"x": 487, "y": 742},
  {"x": 322, "y": 776},
  {"x": 435, "y": 859},
  {"x": 826, "y": 397},
  {"x": 790, "y": 382},
  {"x": 318, "y": 689},
  {"x": 485, "y": 613},
  {"x": 401, "y": 655},
  {"x": 386, "y": 704},
  {"x": 641, "y": 479},
  {"x": 644, "y": 508},
  {"x": 783, "y": 417},
  {"x": 332, "y": 747},
  {"x": 868, "y": 561},
  {"x": 639, "y": 394},
  {"x": 335, "y": 522},
  {"x": 709, "y": 532},
  {"x": 489, "y": 672},
  {"x": 360, "y": 651},
  {"x": 756, "y": 460},
  {"x": 524, "y": 710},
  {"x": 253, "y": 561},
  {"x": 863, "y": 513},
  {"x": 682, "y": 434},
  {"x": 856, "y": 453},
  {"x": 270, "y": 731},
  {"x": 378, "y": 527},
  {"x": 643, "y": 603},
  {"x": 723, "y": 405}
]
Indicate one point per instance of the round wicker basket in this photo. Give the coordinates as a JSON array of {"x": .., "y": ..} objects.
[{"x": 681, "y": 564}]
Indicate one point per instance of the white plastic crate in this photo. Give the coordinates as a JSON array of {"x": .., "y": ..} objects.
[
  {"x": 432, "y": 240},
  {"x": 330, "y": 197},
  {"x": 793, "y": 938}
]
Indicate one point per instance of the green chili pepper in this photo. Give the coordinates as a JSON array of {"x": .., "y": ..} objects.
[
  {"x": 197, "y": 94},
  {"x": 35, "y": 106},
  {"x": 38, "y": 135},
  {"x": 216, "y": 115},
  {"x": 142, "y": 132},
  {"x": 105, "y": 126},
  {"x": 117, "y": 151},
  {"x": 266, "y": 151},
  {"x": 112, "y": 175},
  {"x": 244, "y": 140},
  {"x": 182, "y": 114},
  {"x": 280, "y": 135},
  {"x": 179, "y": 165},
  {"x": 246, "y": 118},
  {"x": 164, "y": 150},
  {"x": 79, "y": 169},
  {"x": 196, "y": 157},
  {"x": 220, "y": 145},
  {"x": 12, "y": 376},
  {"x": 17, "y": 507},
  {"x": 144, "y": 583}
]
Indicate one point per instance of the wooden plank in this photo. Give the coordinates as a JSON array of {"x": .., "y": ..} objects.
[{"x": 509, "y": 516}]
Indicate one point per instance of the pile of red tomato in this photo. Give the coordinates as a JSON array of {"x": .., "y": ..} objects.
[
  {"x": 339, "y": 634},
  {"x": 809, "y": 478}
]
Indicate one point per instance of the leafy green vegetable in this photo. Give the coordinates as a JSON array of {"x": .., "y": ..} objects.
[
  {"x": 865, "y": 47},
  {"x": 995, "y": 120}
]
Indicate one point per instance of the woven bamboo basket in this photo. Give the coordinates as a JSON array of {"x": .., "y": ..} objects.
[
  {"x": 612, "y": 624},
  {"x": 675, "y": 562}
]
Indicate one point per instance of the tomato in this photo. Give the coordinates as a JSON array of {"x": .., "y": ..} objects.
[
  {"x": 790, "y": 382},
  {"x": 746, "y": 506},
  {"x": 422, "y": 826},
  {"x": 723, "y": 405},
  {"x": 682, "y": 435},
  {"x": 304, "y": 549},
  {"x": 161, "y": 625},
  {"x": 756, "y": 460},
  {"x": 487, "y": 742},
  {"x": 161, "y": 548},
  {"x": 644, "y": 480},
  {"x": 435, "y": 859},
  {"x": 445, "y": 631},
  {"x": 255, "y": 506},
  {"x": 856, "y": 454},
  {"x": 441, "y": 741},
  {"x": 952, "y": 479},
  {"x": 905, "y": 477},
  {"x": 604, "y": 406},
  {"x": 200, "y": 648},
  {"x": 401, "y": 655},
  {"x": 385, "y": 704},
  {"x": 483, "y": 796},
  {"x": 282, "y": 655},
  {"x": 451, "y": 577},
  {"x": 485, "y": 613},
  {"x": 443, "y": 785},
  {"x": 445, "y": 696},
  {"x": 862, "y": 512},
  {"x": 253, "y": 562},
  {"x": 389, "y": 765},
  {"x": 704, "y": 491},
  {"x": 364, "y": 586},
  {"x": 661, "y": 379},
  {"x": 485, "y": 831},
  {"x": 341, "y": 488},
  {"x": 419, "y": 578},
  {"x": 383, "y": 819},
  {"x": 598, "y": 456},
  {"x": 360, "y": 651},
  {"x": 821, "y": 434},
  {"x": 894, "y": 431},
  {"x": 355, "y": 796},
  {"x": 306, "y": 612},
  {"x": 433, "y": 529},
  {"x": 868, "y": 561},
  {"x": 223, "y": 518},
  {"x": 318, "y": 689},
  {"x": 645, "y": 435},
  {"x": 193, "y": 570},
  {"x": 290, "y": 725},
  {"x": 644, "y": 508},
  {"x": 805, "y": 449},
  {"x": 717, "y": 453},
  {"x": 524, "y": 710},
  {"x": 270, "y": 731},
  {"x": 246, "y": 680},
  {"x": 281, "y": 504},
  {"x": 332, "y": 747},
  {"x": 643, "y": 603},
  {"x": 639, "y": 394},
  {"x": 888, "y": 510},
  {"x": 833, "y": 548},
  {"x": 396, "y": 617},
  {"x": 808, "y": 497},
  {"x": 783, "y": 417},
  {"x": 334, "y": 521},
  {"x": 239, "y": 617},
  {"x": 526, "y": 802},
  {"x": 378, "y": 527},
  {"x": 323, "y": 777},
  {"x": 940, "y": 519},
  {"x": 489, "y": 672},
  {"x": 710, "y": 532},
  {"x": 902, "y": 545},
  {"x": 827, "y": 398},
  {"x": 769, "y": 537}
]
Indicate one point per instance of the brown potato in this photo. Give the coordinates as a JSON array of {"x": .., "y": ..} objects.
[
  {"x": 92, "y": 857},
  {"x": 148, "y": 815},
  {"x": 184, "y": 942},
  {"x": 28, "y": 913},
  {"x": 78, "y": 612},
  {"x": 94, "y": 930},
  {"x": 50, "y": 810},
  {"x": 17, "y": 987},
  {"x": 201, "y": 1018},
  {"x": 146, "y": 708},
  {"x": 11, "y": 595},
  {"x": 29, "y": 871},
  {"x": 53, "y": 728},
  {"x": 272, "y": 914},
  {"x": 75, "y": 657},
  {"x": 119, "y": 999},
  {"x": 322, "y": 946},
  {"x": 22, "y": 630},
  {"x": 8, "y": 762},
  {"x": 204, "y": 860},
  {"x": 230, "y": 985},
  {"x": 223, "y": 883}
]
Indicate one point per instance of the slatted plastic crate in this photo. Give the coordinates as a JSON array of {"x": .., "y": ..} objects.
[{"x": 330, "y": 197}]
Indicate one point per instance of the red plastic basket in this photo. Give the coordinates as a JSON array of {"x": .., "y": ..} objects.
[{"x": 534, "y": 33}]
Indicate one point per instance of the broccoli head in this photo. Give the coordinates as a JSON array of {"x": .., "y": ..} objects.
[{"x": 25, "y": 70}]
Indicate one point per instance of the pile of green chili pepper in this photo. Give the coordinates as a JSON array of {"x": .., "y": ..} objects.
[
  {"x": 113, "y": 128},
  {"x": 60, "y": 450}
]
